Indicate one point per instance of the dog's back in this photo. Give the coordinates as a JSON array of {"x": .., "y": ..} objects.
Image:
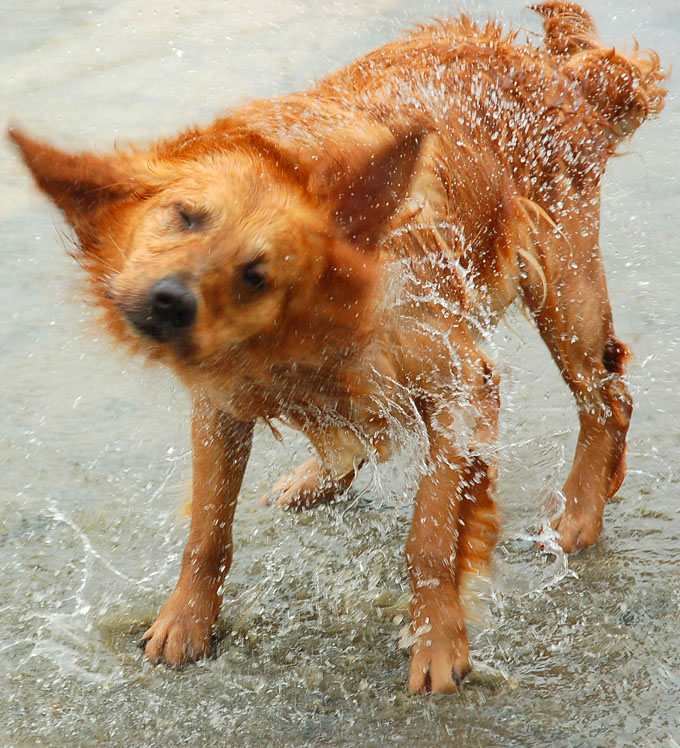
[{"x": 514, "y": 130}]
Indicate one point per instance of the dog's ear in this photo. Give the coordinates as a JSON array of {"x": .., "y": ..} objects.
[
  {"x": 367, "y": 189},
  {"x": 82, "y": 184}
]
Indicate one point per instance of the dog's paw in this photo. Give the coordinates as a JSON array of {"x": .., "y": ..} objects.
[
  {"x": 182, "y": 632},
  {"x": 577, "y": 531},
  {"x": 438, "y": 667},
  {"x": 306, "y": 486}
]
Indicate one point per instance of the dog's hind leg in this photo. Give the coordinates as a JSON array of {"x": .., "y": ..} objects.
[
  {"x": 571, "y": 308},
  {"x": 308, "y": 485}
]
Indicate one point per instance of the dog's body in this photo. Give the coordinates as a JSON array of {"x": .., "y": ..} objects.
[{"x": 334, "y": 258}]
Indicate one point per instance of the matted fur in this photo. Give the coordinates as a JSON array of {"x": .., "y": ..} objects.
[{"x": 333, "y": 259}]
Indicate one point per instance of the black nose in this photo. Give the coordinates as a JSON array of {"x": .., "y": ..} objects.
[
  {"x": 172, "y": 303},
  {"x": 169, "y": 310}
]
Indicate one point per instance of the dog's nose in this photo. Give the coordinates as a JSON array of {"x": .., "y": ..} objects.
[
  {"x": 167, "y": 312},
  {"x": 172, "y": 304}
]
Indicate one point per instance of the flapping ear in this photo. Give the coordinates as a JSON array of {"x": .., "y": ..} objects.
[
  {"x": 366, "y": 190},
  {"x": 80, "y": 184}
]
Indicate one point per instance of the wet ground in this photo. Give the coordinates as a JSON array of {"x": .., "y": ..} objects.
[{"x": 95, "y": 454}]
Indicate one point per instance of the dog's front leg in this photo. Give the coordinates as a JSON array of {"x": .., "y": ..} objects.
[
  {"x": 221, "y": 447},
  {"x": 454, "y": 531}
]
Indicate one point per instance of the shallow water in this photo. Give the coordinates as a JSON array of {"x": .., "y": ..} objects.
[{"x": 568, "y": 652}]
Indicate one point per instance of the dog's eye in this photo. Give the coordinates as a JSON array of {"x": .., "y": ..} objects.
[
  {"x": 254, "y": 277},
  {"x": 188, "y": 218}
]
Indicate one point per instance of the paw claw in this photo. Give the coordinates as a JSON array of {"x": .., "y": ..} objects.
[
  {"x": 573, "y": 533},
  {"x": 182, "y": 633},
  {"x": 438, "y": 670}
]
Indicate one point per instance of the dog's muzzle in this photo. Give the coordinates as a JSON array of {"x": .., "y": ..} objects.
[{"x": 166, "y": 313}]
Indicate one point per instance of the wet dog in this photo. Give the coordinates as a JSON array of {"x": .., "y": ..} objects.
[{"x": 333, "y": 259}]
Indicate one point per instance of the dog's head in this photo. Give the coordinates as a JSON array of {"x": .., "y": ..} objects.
[{"x": 220, "y": 243}]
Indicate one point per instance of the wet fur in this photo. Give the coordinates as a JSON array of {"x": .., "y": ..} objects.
[{"x": 394, "y": 212}]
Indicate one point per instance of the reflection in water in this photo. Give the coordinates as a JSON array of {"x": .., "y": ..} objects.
[{"x": 96, "y": 461}]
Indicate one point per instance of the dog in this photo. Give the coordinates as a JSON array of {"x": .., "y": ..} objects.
[{"x": 333, "y": 259}]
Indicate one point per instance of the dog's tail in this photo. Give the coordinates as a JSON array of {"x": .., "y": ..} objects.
[{"x": 623, "y": 88}]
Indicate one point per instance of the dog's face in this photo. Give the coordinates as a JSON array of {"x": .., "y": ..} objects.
[
  {"x": 232, "y": 250},
  {"x": 224, "y": 252}
]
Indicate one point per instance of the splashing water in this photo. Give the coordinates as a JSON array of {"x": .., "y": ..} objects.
[{"x": 307, "y": 645}]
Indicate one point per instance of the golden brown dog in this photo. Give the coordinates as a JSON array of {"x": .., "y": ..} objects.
[{"x": 333, "y": 259}]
